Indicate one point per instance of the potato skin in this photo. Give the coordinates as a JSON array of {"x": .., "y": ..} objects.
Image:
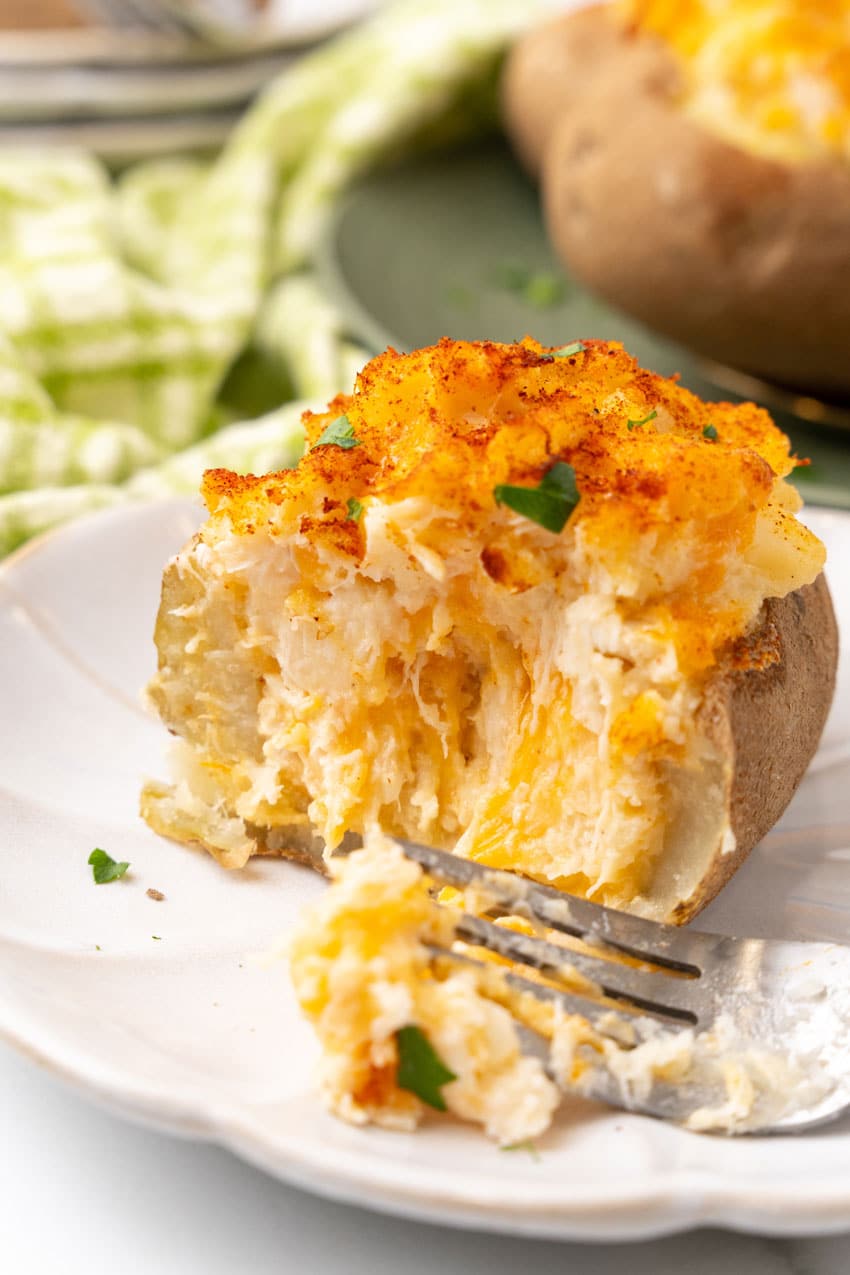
[
  {"x": 546, "y": 72},
  {"x": 765, "y": 709},
  {"x": 744, "y": 259}
]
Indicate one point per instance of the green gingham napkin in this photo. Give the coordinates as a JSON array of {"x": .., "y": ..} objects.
[{"x": 130, "y": 313}]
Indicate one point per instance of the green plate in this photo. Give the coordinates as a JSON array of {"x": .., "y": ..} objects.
[{"x": 454, "y": 245}]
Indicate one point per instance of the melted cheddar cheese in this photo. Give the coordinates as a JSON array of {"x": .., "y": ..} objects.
[{"x": 772, "y": 75}]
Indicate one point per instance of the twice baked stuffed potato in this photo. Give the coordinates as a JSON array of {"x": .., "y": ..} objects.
[
  {"x": 695, "y": 166},
  {"x": 540, "y": 607}
]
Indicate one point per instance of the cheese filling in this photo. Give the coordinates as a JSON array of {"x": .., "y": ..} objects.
[{"x": 771, "y": 75}]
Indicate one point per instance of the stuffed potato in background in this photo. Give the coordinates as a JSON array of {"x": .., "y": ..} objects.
[{"x": 695, "y": 167}]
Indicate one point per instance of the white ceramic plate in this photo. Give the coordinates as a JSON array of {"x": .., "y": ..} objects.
[{"x": 184, "y": 1030}]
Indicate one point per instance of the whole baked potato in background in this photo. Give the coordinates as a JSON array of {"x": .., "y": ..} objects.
[{"x": 741, "y": 252}]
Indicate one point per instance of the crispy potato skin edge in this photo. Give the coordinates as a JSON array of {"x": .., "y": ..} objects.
[{"x": 768, "y": 720}]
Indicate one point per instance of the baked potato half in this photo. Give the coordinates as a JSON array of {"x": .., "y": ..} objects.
[
  {"x": 727, "y": 230},
  {"x": 540, "y": 607},
  {"x": 763, "y": 709}
]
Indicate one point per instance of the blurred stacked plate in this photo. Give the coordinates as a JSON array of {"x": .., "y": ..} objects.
[{"x": 130, "y": 78}]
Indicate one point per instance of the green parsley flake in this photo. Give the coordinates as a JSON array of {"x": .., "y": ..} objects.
[
  {"x": 526, "y": 1145},
  {"x": 538, "y": 288},
  {"x": 339, "y": 433},
  {"x": 565, "y": 352},
  {"x": 644, "y": 420},
  {"x": 710, "y": 433},
  {"x": 420, "y": 1069},
  {"x": 355, "y": 509},
  {"x": 550, "y": 503},
  {"x": 543, "y": 291},
  {"x": 104, "y": 868},
  {"x": 513, "y": 276}
]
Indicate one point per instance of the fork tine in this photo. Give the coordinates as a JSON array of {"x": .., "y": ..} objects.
[
  {"x": 667, "y": 1099},
  {"x": 635, "y": 936},
  {"x": 750, "y": 981},
  {"x": 605, "y": 1018},
  {"x": 645, "y": 990},
  {"x": 600, "y": 1082}
]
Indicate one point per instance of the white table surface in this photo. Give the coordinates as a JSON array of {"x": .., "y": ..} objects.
[{"x": 83, "y": 1193}]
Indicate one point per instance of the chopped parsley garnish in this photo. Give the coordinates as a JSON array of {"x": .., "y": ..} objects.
[
  {"x": 538, "y": 288},
  {"x": 104, "y": 868},
  {"x": 543, "y": 291},
  {"x": 643, "y": 421},
  {"x": 525, "y": 1145},
  {"x": 565, "y": 352},
  {"x": 550, "y": 503},
  {"x": 710, "y": 433},
  {"x": 355, "y": 509},
  {"x": 339, "y": 433},
  {"x": 420, "y": 1069},
  {"x": 158, "y": 937}
]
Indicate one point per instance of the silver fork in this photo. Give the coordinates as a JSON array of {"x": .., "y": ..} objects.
[{"x": 787, "y": 999}]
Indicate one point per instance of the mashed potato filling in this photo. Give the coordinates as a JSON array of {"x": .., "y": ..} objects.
[
  {"x": 372, "y": 641},
  {"x": 362, "y": 968}
]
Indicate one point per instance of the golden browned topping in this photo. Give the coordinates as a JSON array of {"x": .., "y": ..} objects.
[{"x": 450, "y": 423}]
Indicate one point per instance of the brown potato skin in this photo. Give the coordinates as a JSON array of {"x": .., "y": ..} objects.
[
  {"x": 744, "y": 259},
  {"x": 765, "y": 709},
  {"x": 546, "y": 72}
]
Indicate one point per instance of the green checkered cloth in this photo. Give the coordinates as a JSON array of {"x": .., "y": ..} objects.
[{"x": 137, "y": 317}]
